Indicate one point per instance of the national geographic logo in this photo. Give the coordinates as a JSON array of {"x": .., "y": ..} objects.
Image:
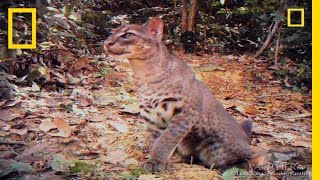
[
  {"x": 295, "y": 17},
  {"x": 11, "y": 12}
]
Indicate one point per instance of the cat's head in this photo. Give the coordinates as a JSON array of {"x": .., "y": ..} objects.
[{"x": 135, "y": 41}]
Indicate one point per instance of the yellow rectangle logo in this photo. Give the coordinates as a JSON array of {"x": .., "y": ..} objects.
[
  {"x": 33, "y": 44},
  {"x": 289, "y": 17}
]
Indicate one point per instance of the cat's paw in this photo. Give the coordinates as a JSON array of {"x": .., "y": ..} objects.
[{"x": 154, "y": 166}]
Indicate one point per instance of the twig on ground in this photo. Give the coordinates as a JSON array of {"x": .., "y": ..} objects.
[
  {"x": 294, "y": 116},
  {"x": 12, "y": 142},
  {"x": 276, "y": 54}
]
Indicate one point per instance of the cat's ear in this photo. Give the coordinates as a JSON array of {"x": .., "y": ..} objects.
[
  {"x": 247, "y": 127},
  {"x": 156, "y": 26}
]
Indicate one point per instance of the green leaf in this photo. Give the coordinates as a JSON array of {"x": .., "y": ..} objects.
[
  {"x": 60, "y": 163},
  {"x": 81, "y": 166},
  {"x": 301, "y": 70},
  {"x": 20, "y": 167},
  {"x": 278, "y": 16},
  {"x": 292, "y": 38},
  {"x": 66, "y": 107},
  {"x": 231, "y": 173}
]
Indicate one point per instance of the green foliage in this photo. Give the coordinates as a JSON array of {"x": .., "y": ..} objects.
[
  {"x": 81, "y": 167},
  {"x": 240, "y": 174},
  {"x": 105, "y": 71},
  {"x": 62, "y": 164},
  {"x": 243, "y": 30},
  {"x": 20, "y": 167},
  {"x": 233, "y": 29},
  {"x": 133, "y": 172}
]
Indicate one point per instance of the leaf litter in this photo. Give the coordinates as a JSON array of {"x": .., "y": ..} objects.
[{"x": 100, "y": 124}]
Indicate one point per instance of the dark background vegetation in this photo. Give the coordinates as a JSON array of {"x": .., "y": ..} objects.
[{"x": 238, "y": 27}]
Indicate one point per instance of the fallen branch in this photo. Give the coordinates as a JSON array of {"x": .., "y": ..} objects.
[
  {"x": 277, "y": 95},
  {"x": 12, "y": 142},
  {"x": 274, "y": 26},
  {"x": 294, "y": 116}
]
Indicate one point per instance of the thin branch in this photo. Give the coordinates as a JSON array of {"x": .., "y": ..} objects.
[
  {"x": 295, "y": 116},
  {"x": 12, "y": 142},
  {"x": 275, "y": 26},
  {"x": 268, "y": 40},
  {"x": 276, "y": 54}
]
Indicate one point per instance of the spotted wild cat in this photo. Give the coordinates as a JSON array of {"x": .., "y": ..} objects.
[{"x": 180, "y": 110}]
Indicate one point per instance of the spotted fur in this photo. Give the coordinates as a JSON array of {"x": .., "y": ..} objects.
[{"x": 180, "y": 110}]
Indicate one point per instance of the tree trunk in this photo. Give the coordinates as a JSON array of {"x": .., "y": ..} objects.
[
  {"x": 184, "y": 16},
  {"x": 192, "y": 15},
  {"x": 174, "y": 11}
]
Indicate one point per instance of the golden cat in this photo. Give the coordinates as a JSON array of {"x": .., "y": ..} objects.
[{"x": 180, "y": 110}]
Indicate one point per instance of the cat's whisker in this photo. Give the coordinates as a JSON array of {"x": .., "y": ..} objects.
[{"x": 212, "y": 165}]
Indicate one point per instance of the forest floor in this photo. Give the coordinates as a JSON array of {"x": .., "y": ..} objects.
[{"x": 91, "y": 128}]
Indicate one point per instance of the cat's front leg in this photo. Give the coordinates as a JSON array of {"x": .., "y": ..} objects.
[
  {"x": 152, "y": 136},
  {"x": 168, "y": 141}
]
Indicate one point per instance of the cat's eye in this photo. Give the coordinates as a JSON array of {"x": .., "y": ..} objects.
[{"x": 127, "y": 35}]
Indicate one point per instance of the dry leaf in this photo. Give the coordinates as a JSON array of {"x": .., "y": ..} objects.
[
  {"x": 64, "y": 128},
  {"x": 258, "y": 161},
  {"x": 11, "y": 103},
  {"x": 31, "y": 150},
  {"x": 106, "y": 141},
  {"x": 2, "y": 124},
  {"x": 301, "y": 142},
  {"x": 131, "y": 109},
  {"x": 72, "y": 79},
  {"x": 8, "y": 115},
  {"x": 59, "y": 77},
  {"x": 246, "y": 110},
  {"x": 121, "y": 127},
  {"x": 211, "y": 67},
  {"x": 96, "y": 118},
  {"x": 114, "y": 157},
  {"x": 283, "y": 156},
  {"x": 69, "y": 140},
  {"x": 84, "y": 102},
  {"x": 187, "y": 171},
  {"x": 250, "y": 110},
  {"x": 150, "y": 177},
  {"x": 47, "y": 126},
  {"x": 2, "y": 102},
  {"x": 35, "y": 87},
  {"x": 78, "y": 65},
  {"x": 21, "y": 131}
]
